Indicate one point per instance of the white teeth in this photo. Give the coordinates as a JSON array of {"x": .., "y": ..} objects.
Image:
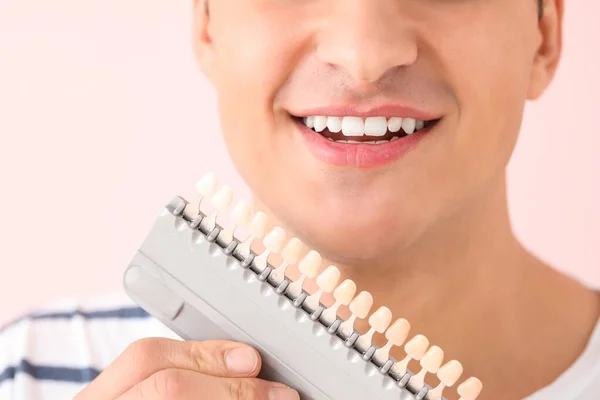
[
  {"x": 309, "y": 121},
  {"x": 353, "y": 126},
  {"x": 409, "y": 125},
  {"x": 334, "y": 124},
  {"x": 320, "y": 123},
  {"x": 357, "y": 126},
  {"x": 376, "y": 126},
  {"x": 395, "y": 124}
]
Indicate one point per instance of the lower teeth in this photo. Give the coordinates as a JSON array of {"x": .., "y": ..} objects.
[{"x": 364, "y": 142}]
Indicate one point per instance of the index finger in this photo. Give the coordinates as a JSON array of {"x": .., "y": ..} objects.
[{"x": 146, "y": 357}]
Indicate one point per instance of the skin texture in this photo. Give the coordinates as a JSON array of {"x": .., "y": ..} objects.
[{"x": 429, "y": 235}]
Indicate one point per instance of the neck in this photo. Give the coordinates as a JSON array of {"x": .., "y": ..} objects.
[
  {"x": 473, "y": 290},
  {"x": 467, "y": 267}
]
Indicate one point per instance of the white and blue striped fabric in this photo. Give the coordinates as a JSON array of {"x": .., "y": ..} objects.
[{"x": 54, "y": 353}]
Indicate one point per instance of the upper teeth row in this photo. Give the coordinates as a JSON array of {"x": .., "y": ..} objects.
[{"x": 357, "y": 126}]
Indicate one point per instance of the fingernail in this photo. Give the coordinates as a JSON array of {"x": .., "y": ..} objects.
[
  {"x": 241, "y": 360},
  {"x": 283, "y": 393}
]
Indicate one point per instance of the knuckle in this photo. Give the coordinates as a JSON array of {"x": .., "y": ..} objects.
[
  {"x": 205, "y": 357},
  {"x": 143, "y": 355},
  {"x": 168, "y": 384},
  {"x": 141, "y": 350},
  {"x": 243, "y": 389}
]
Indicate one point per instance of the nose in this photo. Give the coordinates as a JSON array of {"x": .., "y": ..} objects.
[{"x": 366, "y": 38}]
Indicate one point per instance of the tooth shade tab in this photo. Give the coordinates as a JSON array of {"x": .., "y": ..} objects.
[
  {"x": 417, "y": 347},
  {"x": 274, "y": 240},
  {"x": 310, "y": 264},
  {"x": 241, "y": 213},
  {"x": 469, "y": 389},
  {"x": 343, "y": 295},
  {"x": 222, "y": 199},
  {"x": 380, "y": 320},
  {"x": 292, "y": 250},
  {"x": 450, "y": 372},
  {"x": 345, "y": 292},
  {"x": 207, "y": 185},
  {"x": 361, "y": 305},
  {"x": 398, "y": 332},
  {"x": 328, "y": 279},
  {"x": 432, "y": 360},
  {"x": 430, "y": 363},
  {"x": 258, "y": 225}
]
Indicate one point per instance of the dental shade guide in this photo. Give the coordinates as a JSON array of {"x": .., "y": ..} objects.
[{"x": 204, "y": 283}]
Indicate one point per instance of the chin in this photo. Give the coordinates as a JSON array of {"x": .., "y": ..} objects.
[{"x": 353, "y": 238}]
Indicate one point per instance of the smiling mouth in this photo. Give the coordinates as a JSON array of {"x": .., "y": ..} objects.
[{"x": 370, "y": 130}]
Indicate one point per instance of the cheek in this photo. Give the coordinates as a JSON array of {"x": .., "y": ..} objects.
[
  {"x": 491, "y": 76},
  {"x": 248, "y": 75}
]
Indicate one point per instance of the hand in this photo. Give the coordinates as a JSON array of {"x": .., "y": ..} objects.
[{"x": 161, "y": 369}]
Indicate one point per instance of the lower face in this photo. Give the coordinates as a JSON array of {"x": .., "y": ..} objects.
[{"x": 361, "y": 125}]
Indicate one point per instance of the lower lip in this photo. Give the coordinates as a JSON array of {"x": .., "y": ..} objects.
[{"x": 359, "y": 155}]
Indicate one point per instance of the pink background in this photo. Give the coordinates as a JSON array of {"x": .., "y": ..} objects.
[{"x": 104, "y": 117}]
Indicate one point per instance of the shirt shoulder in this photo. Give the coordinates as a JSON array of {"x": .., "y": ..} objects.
[
  {"x": 56, "y": 351},
  {"x": 582, "y": 380}
]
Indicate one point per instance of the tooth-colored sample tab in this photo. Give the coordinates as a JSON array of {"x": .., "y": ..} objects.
[
  {"x": 241, "y": 213},
  {"x": 380, "y": 319},
  {"x": 432, "y": 360},
  {"x": 207, "y": 185},
  {"x": 222, "y": 199},
  {"x": 258, "y": 225},
  {"x": 361, "y": 305},
  {"x": 450, "y": 372},
  {"x": 310, "y": 264},
  {"x": 398, "y": 332},
  {"x": 328, "y": 279},
  {"x": 274, "y": 240},
  {"x": 470, "y": 389},
  {"x": 292, "y": 250},
  {"x": 353, "y": 126},
  {"x": 416, "y": 347},
  {"x": 345, "y": 292}
]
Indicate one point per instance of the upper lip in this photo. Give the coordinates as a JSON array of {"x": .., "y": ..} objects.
[{"x": 385, "y": 110}]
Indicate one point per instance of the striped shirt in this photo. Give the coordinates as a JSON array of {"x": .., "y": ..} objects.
[{"x": 54, "y": 353}]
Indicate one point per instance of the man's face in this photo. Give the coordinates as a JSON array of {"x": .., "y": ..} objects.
[{"x": 464, "y": 67}]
